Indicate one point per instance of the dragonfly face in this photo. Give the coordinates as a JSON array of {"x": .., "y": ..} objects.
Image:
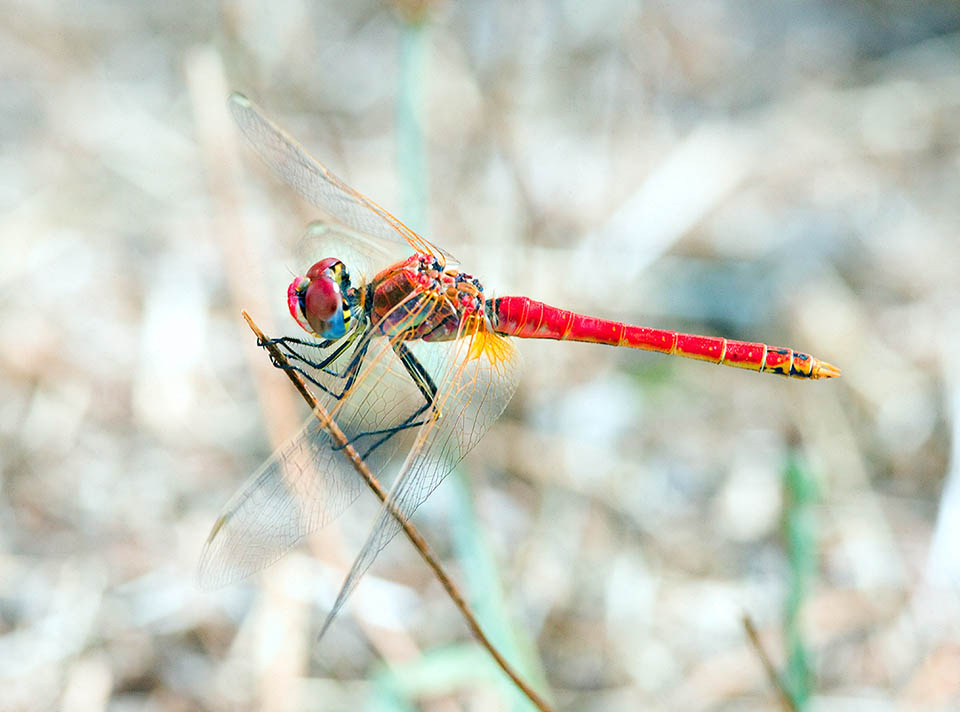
[{"x": 319, "y": 301}]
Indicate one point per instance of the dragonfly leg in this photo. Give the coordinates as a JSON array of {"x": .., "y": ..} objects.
[
  {"x": 286, "y": 345},
  {"x": 322, "y": 365},
  {"x": 427, "y": 388},
  {"x": 412, "y": 421},
  {"x": 285, "y": 340},
  {"x": 349, "y": 372}
]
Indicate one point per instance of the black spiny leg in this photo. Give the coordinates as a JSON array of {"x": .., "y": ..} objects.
[
  {"x": 425, "y": 385},
  {"x": 322, "y": 365},
  {"x": 285, "y": 340},
  {"x": 349, "y": 372}
]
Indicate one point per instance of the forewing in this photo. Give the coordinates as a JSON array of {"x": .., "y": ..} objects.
[
  {"x": 313, "y": 181},
  {"x": 476, "y": 375}
]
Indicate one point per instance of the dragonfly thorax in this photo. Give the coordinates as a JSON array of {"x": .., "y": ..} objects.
[
  {"x": 420, "y": 298},
  {"x": 464, "y": 291}
]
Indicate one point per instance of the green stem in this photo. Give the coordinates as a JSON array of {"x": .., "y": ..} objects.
[
  {"x": 410, "y": 143},
  {"x": 800, "y": 530}
]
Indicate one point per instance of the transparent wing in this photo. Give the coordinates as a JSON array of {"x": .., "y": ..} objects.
[
  {"x": 363, "y": 255},
  {"x": 313, "y": 181},
  {"x": 302, "y": 487},
  {"x": 476, "y": 377},
  {"x": 305, "y": 484}
]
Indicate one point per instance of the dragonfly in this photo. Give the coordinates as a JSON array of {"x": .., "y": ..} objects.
[{"x": 411, "y": 358}]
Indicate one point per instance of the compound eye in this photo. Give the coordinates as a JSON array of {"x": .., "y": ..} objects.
[
  {"x": 322, "y": 301},
  {"x": 316, "y": 300}
]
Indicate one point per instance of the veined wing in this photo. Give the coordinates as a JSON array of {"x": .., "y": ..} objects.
[
  {"x": 476, "y": 376},
  {"x": 306, "y": 484},
  {"x": 303, "y": 486},
  {"x": 313, "y": 181},
  {"x": 361, "y": 253}
]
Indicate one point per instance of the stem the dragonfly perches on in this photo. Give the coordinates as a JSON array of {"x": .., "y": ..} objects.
[{"x": 358, "y": 464}]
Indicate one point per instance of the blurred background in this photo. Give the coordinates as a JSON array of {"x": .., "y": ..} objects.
[{"x": 761, "y": 170}]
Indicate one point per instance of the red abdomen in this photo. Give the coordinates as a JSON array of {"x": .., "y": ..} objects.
[{"x": 529, "y": 319}]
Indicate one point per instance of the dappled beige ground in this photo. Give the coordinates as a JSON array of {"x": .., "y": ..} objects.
[{"x": 763, "y": 171}]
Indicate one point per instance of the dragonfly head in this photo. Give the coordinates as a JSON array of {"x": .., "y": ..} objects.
[{"x": 316, "y": 300}]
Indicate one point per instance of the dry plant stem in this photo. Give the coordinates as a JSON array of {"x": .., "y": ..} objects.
[
  {"x": 328, "y": 424},
  {"x": 785, "y": 699}
]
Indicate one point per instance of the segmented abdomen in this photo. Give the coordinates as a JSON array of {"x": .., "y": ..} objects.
[{"x": 530, "y": 319}]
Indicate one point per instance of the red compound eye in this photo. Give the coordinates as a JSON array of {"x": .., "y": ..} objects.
[
  {"x": 316, "y": 301},
  {"x": 322, "y": 300}
]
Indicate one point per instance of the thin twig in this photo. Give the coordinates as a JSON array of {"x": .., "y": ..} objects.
[
  {"x": 328, "y": 424},
  {"x": 785, "y": 698}
]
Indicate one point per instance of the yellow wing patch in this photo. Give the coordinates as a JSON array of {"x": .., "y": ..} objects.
[{"x": 491, "y": 346}]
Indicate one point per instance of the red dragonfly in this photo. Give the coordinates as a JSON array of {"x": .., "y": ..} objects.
[{"x": 410, "y": 356}]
